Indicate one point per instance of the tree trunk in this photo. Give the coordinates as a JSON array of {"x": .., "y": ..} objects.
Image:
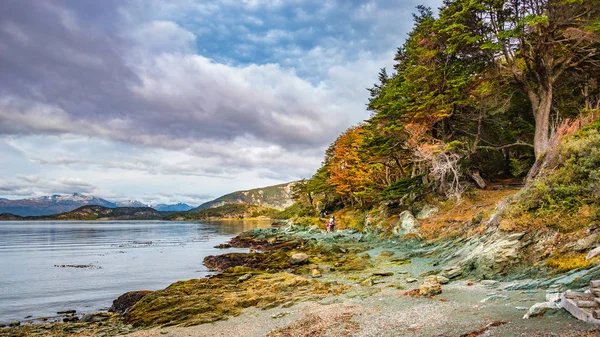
[{"x": 541, "y": 111}]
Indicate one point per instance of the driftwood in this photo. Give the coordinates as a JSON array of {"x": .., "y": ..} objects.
[
  {"x": 478, "y": 179},
  {"x": 588, "y": 304},
  {"x": 579, "y": 296}
]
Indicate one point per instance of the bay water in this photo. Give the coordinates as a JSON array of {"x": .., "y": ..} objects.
[{"x": 46, "y": 267}]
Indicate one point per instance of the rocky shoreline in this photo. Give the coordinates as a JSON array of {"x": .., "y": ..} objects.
[{"x": 293, "y": 271}]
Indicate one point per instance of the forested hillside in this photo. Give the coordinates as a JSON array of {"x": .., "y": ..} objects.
[{"x": 477, "y": 93}]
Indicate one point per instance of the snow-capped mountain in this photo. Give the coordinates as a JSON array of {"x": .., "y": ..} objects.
[
  {"x": 48, "y": 205},
  {"x": 131, "y": 203}
]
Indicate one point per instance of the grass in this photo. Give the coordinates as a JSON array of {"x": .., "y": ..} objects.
[
  {"x": 566, "y": 196},
  {"x": 567, "y": 263}
]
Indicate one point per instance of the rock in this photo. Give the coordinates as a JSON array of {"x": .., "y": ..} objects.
[
  {"x": 540, "y": 309},
  {"x": 410, "y": 280},
  {"x": 383, "y": 273},
  {"x": 553, "y": 297},
  {"x": 314, "y": 229},
  {"x": 586, "y": 242},
  {"x": 490, "y": 256},
  {"x": 522, "y": 308},
  {"x": 14, "y": 324},
  {"x": 124, "y": 302},
  {"x": 313, "y": 266},
  {"x": 315, "y": 273},
  {"x": 443, "y": 280},
  {"x": 579, "y": 296},
  {"x": 299, "y": 258},
  {"x": 71, "y": 319},
  {"x": 87, "y": 318},
  {"x": 271, "y": 260},
  {"x": 279, "y": 315},
  {"x": 407, "y": 224},
  {"x": 593, "y": 253},
  {"x": 244, "y": 277},
  {"x": 368, "y": 282},
  {"x": 452, "y": 272},
  {"x": 495, "y": 297},
  {"x": 66, "y": 312},
  {"x": 489, "y": 283},
  {"x": 427, "y": 212},
  {"x": 430, "y": 287}
]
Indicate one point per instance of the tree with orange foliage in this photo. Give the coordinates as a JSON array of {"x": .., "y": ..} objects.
[{"x": 352, "y": 173}]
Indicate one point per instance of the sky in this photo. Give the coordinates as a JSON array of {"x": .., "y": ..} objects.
[{"x": 184, "y": 100}]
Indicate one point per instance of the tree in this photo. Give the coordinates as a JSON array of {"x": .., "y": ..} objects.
[
  {"x": 535, "y": 42},
  {"x": 352, "y": 172}
]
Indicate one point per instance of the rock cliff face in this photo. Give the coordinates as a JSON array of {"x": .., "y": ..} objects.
[{"x": 278, "y": 197}]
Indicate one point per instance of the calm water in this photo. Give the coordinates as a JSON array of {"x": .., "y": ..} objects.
[{"x": 124, "y": 256}]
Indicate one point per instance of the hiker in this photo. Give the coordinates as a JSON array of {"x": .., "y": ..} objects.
[
  {"x": 322, "y": 215},
  {"x": 331, "y": 224}
]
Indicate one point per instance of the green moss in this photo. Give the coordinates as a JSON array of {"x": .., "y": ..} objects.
[
  {"x": 566, "y": 195},
  {"x": 207, "y": 300}
]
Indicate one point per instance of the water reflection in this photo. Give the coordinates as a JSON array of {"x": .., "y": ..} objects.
[{"x": 124, "y": 255}]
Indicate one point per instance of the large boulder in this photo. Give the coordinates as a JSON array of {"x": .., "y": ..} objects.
[
  {"x": 539, "y": 309},
  {"x": 299, "y": 258},
  {"x": 122, "y": 304},
  {"x": 491, "y": 255},
  {"x": 430, "y": 287},
  {"x": 407, "y": 224}
]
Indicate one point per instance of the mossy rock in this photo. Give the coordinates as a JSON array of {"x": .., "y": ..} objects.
[{"x": 211, "y": 299}]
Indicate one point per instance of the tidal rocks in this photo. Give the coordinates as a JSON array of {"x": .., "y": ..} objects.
[
  {"x": 124, "y": 302},
  {"x": 267, "y": 260},
  {"x": 410, "y": 280},
  {"x": 14, "y": 324},
  {"x": 79, "y": 266},
  {"x": 430, "y": 287},
  {"x": 66, "y": 312},
  {"x": 207, "y": 300},
  {"x": 298, "y": 258},
  {"x": 315, "y": 273}
]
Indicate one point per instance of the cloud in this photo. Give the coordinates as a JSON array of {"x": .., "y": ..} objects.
[
  {"x": 187, "y": 89},
  {"x": 38, "y": 186}
]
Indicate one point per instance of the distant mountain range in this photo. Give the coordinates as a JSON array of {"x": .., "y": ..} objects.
[
  {"x": 180, "y": 207},
  {"x": 276, "y": 197},
  {"x": 55, "y": 204},
  {"x": 95, "y": 213}
]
